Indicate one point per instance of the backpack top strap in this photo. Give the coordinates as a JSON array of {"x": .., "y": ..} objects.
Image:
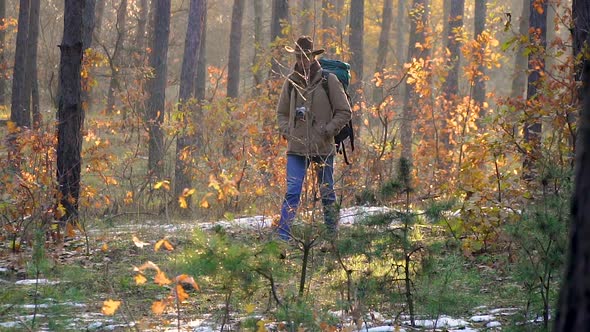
[{"x": 326, "y": 86}]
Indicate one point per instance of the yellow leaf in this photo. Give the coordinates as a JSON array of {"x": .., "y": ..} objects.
[
  {"x": 12, "y": 127},
  {"x": 249, "y": 308},
  {"x": 138, "y": 243},
  {"x": 104, "y": 247},
  {"x": 165, "y": 243},
  {"x": 161, "y": 279},
  {"x": 158, "y": 307},
  {"x": 145, "y": 266},
  {"x": 180, "y": 293},
  {"x": 162, "y": 184},
  {"x": 188, "y": 192},
  {"x": 109, "y": 307},
  {"x": 204, "y": 203},
  {"x": 140, "y": 279},
  {"x": 182, "y": 202},
  {"x": 186, "y": 279}
]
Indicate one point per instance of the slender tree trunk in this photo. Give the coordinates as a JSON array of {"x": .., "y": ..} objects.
[
  {"x": 328, "y": 25},
  {"x": 520, "y": 63},
  {"x": 306, "y": 17},
  {"x": 407, "y": 131},
  {"x": 383, "y": 48},
  {"x": 98, "y": 21},
  {"x": 573, "y": 311},
  {"x": 532, "y": 126},
  {"x": 356, "y": 42},
  {"x": 70, "y": 115},
  {"x": 114, "y": 61},
  {"x": 19, "y": 113},
  {"x": 233, "y": 69},
  {"x": 157, "y": 87},
  {"x": 479, "y": 23},
  {"x": 141, "y": 26},
  {"x": 455, "y": 23},
  {"x": 186, "y": 140},
  {"x": 256, "y": 62},
  {"x": 3, "y": 81},
  {"x": 280, "y": 12},
  {"x": 401, "y": 31},
  {"x": 32, "y": 82},
  {"x": 200, "y": 88}
]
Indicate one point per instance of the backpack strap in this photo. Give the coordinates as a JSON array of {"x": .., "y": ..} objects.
[{"x": 326, "y": 86}]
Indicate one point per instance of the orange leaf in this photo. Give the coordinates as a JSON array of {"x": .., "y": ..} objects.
[
  {"x": 70, "y": 230},
  {"x": 186, "y": 279},
  {"x": 161, "y": 279},
  {"x": 109, "y": 307},
  {"x": 140, "y": 279},
  {"x": 158, "y": 307},
  {"x": 165, "y": 243},
  {"x": 104, "y": 247},
  {"x": 180, "y": 293},
  {"x": 182, "y": 202}
]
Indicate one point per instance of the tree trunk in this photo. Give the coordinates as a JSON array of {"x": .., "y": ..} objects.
[
  {"x": 479, "y": 23},
  {"x": 200, "y": 88},
  {"x": 256, "y": 62},
  {"x": 185, "y": 142},
  {"x": 19, "y": 113},
  {"x": 383, "y": 46},
  {"x": 70, "y": 115},
  {"x": 306, "y": 17},
  {"x": 89, "y": 22},
  {"x": 141, "y": 26},
  {"x": 280, "y": 12},
  {"x": 573, "y": 311},
  {"x": 114, "y": 57},
  {"x": 455, "y": 23},
  {"x": 401, "y": 31},
  {"x": 32, "y": 82},
  {"x": 233, "y": 69},
  {"x": 157, "y": 87},
  {"x": 357, "y": 31},
  {"x": 328, "y": 25},
  {"x": 407, "y": 131},
  {"x": 98, "y": 21},
  {"x": 532, "y": 126},
  {"x": 3, "y": 81},
  {"x": 520, "y": 63}
]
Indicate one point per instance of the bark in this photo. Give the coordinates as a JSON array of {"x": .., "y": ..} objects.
[
  {"x": 141, "y": 26},
  {"x": 328, "y": 24},
  {"x": 479, "y": 22},
  {"x": 256, "y": 62},
  {"x": 455, "y": 23},
  {"x": 70, "y": 115},
  {"x": 89, "y": 23},
  {"x": 306, "y": 17},
  {"x": 520, "y": 64},
  {"x": 532, "y": 126},
  {"x": 233, "y": 68},
  {"x": 20, "y": 113},
  {"x": 3, "y": 81},
  {"x": 32, "y": 82},
  {"x": 200, "y": 88},
  {"x": 401, "y": 31},
  {"x": 356, "y": 42},
  {"x": 573, "y": 310},
  {"x": 157, "y": 87},
  {"x": 407, "y": 130},
  {"x": 98, "y": 21},
  {"x": 280, "y": 12},
  {"x": 186, "y": 139},
  {"x": 114, "y": 58},
  {"x": 383, "y": 48}
]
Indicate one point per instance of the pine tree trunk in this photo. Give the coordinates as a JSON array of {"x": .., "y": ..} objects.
[
  {"x": 200, "y": 89},
  {"x": 98, "y": 21},
  {"x": 383, "y": 48},
  {"x": 407, "y": 131},
  {"x": 280, "y": 12},
  {"x": 3, "y": 81},
  {"x": 141, "y": 27},
  {"x": 532, "y": 126},
  {"x": 19, "y": 113},
  {"x": 114, "y": 61},
  {"x": 306, "y": 21},
  {"x": 256, "y": 62},
  {"x": 356, "y": 42},
  {"x": 455, "y": 22},
  {"x": 32, "y": 83},
  {"x": 573, "y": 310},
  {"x": 233, "y": 69},
  {"x": 520, "y": 63},
  {"x": 479, "y": 23},
  {"x": 185, "y": 142},
  {"x": 157, "y": 87},
  {"x": 328, "y": 24},
  {"x": 70, "y": 115}
]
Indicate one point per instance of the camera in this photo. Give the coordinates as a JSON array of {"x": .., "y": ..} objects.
[{"x": 300, "y": 112}]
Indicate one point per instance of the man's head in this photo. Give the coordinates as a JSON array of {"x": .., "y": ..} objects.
[{"x": 304, "y": 51}]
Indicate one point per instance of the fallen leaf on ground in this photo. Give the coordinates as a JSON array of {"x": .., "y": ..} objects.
[{"x": 109, "y": 307}]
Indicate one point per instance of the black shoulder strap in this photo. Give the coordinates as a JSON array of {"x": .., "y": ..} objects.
[{"x": 326, "y": 86}]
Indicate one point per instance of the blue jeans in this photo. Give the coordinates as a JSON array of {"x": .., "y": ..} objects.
[{"x": 296, "y": 168}]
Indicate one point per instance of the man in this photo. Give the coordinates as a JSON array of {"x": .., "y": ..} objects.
[{"x": 309, "y": 119}]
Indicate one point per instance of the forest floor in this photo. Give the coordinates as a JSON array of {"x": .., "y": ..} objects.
[{"x": 67, "y": 289}]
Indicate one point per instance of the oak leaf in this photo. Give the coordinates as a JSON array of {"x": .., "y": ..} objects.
[
  {"x": 138, "y": 243},
  {"x": 180, "y": 293},
  {"x": 140, "y": 279},
  {"x": 158, "y": 307},
  {"x": 161, "y": 279},
  {"x": 145, "y": 266},
  {"x": 165, "y": 243},
  {"x": 186, "y": 279}
]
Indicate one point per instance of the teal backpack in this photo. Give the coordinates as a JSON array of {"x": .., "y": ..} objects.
[{"x": 342, "y": 71}]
